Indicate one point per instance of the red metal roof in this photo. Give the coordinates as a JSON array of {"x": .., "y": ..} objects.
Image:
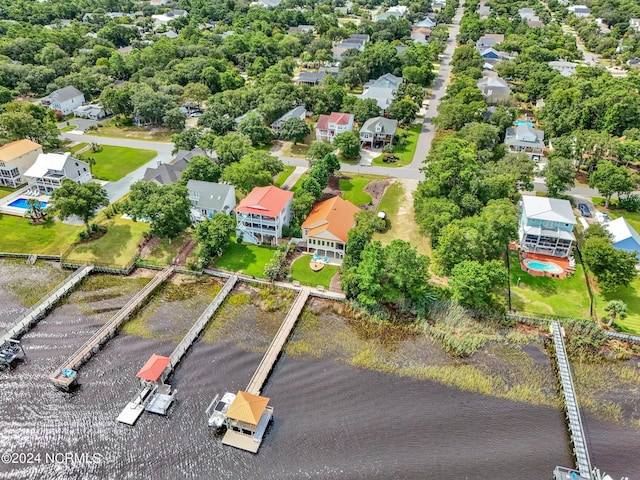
[
  {"x": 335, "y": 118},
  {"x": 268, "y": 201},
  {"x": 154, "y": 367}
]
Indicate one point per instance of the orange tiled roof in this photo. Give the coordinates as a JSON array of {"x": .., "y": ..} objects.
[
  {"x": 268, "y": 201},
  {"x": 334, "y": 215},
  {"x": 247, "y": 408},
  {"x": 13, "y": 150}
]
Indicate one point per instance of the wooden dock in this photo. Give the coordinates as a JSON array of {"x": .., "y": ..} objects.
[
  {"x": 40, "y": 309},
  {"x": 197, "y": 327},
  {"x": 576, "y": 429},
  {"x": 266, "y": 364},
  {"x": 107, "y": 331}
]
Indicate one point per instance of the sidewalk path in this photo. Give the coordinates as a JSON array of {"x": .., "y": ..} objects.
[{"x": 293, "y": 178}]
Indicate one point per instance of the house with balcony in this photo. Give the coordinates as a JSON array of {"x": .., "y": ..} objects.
[
  {"x": 261, "y": 215},
  {"x": 523, "y": 138},
  {"x": 378, "y": 131},
  {"x": 326, "y": 228},
  {"x": 15, "y": 159},
  {"x": 329, "y": 126},
  {"x": 64, "y": 100},
  {"x": 51, "y": 169},
  {"x": 209, "y": 198},
  {"x": 546, "y": 226}
]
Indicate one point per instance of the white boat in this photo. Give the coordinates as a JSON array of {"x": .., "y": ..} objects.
[{"x": 218, "y": 414}]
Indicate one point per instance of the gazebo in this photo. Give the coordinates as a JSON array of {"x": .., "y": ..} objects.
[{"x": 247, "y": 420}]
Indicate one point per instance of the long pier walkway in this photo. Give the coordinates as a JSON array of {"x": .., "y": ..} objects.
[
  {"x": 578, "y": 436},
  {"x": 197, "y": 327},
  {"x": 66, "y": 373},
  {"x": 272, "y": 353},
  {"x": 40, "y": 309}
]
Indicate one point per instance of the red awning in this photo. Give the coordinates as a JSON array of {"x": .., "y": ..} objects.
[{"x": 153, "y": 368}]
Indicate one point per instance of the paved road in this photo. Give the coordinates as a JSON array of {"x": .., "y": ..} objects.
[{"x": 439, "y": 89}]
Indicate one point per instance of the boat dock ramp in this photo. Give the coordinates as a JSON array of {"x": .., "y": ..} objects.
[
  {"x": 40, "y": 309},
  {"x": 273, "y": 352},
  {"x": 66, "y": 374},
  {"x": 155, "y": 396}
]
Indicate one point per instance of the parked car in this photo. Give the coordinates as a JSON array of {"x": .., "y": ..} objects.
[{"x": 584, "y": 209}]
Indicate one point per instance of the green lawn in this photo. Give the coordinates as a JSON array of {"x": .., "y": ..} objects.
[
  {"x": 67, "y": 128},
  {"x": 251, "y": 259},
  {"x": 282, "y": 176},
  {"x": 4, "y": 191},
  {"x": 629, "y": 295},
  {"x": 117, "y": 247},
  {"x": 17, "y": 235},
  {"x": 113, "y": 163},
  {"x": 353, "y": 189},
  {"x": 301, "y": 272},
  {"x": 567, "y": 297},
  {"x": 404, "y": 153},
  {"x": 77, "y": 147}
]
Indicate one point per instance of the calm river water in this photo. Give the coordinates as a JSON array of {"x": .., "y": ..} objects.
[{"x": 331, "y": 420}]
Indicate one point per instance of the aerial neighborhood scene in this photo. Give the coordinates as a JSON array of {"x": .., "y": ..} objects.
[{"x": 232, "y": 231}]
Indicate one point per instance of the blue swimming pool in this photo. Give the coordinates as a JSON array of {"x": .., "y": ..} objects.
[
  {"x": 523, "y": 122},
  {"x": 22, "y": 203},
  {"x": 543, "y": 266}
]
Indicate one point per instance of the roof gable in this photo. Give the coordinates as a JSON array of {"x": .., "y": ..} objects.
[
  {"x": 621, "y": 230},
  {"x": 269, "y": 201},
  {"x": 152, "y": 370},
  {"x": 16, "y": 149},
  {"x": 247, "y": 408},
  {"x": 548, "y": 209},
  {"x": 334, "y": 216}
]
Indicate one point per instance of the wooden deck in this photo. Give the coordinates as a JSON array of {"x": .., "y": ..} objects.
[
  {"x": 40, "y": 309},
  {"x": 266, "y": 364},
  {"x": 576, "y": 428},
  {"x": 107, "y": 331}
]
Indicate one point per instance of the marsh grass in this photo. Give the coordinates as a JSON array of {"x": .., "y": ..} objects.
[
  {"x": 460, "y": 334},
  {"x": 250, "y": 317},
  {"x": 29, "y": 289},
  {"x": 604, "y": 389}
]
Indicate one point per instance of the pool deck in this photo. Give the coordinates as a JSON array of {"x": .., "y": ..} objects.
[
  {"x": 16, "y": 211},
  {"x": 567, "y": 269}
]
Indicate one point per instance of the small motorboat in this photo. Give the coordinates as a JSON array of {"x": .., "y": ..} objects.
[{"x": 218, "y": 414}]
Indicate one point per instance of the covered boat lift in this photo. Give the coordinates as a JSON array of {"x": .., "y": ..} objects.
[
  {"x": 247, "y": 420},
  {"x": 154, "y": 396}
]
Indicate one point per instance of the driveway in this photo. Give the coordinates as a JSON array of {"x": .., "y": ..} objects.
[
  {"x": 439, "y": 89},
  {"x": 81, "y": 123}
]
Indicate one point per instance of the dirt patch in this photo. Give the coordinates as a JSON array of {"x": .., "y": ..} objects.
[
  {"x": 376, "y": 190},
  {"x": 149, "y": 245}
]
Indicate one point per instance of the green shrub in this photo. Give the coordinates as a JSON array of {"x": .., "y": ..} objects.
[{"x": 630, "y": 202}]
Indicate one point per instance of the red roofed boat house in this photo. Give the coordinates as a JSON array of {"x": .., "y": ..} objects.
[
  {"x": 329, "y": 126},
  {"x": 262, "y": 214}
]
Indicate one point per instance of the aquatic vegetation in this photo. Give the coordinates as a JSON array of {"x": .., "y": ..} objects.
[{"x": 31, "y": 286}]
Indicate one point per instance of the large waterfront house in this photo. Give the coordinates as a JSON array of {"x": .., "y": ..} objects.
[
  {"x": 378, "y": 130},
  {"x": 329, "y": 126},
  {"x": 523, "y": 138},
  {"x": 325, "y": 229},
  {"x": 64, "y": 100},
  {"x": 15, "y": 159},
  {"x": 208, "y": 198},
  {"x": 546, "y": 226},
  {"x": 51, "y": 169},
  {"x": 261, "y": 215}
]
